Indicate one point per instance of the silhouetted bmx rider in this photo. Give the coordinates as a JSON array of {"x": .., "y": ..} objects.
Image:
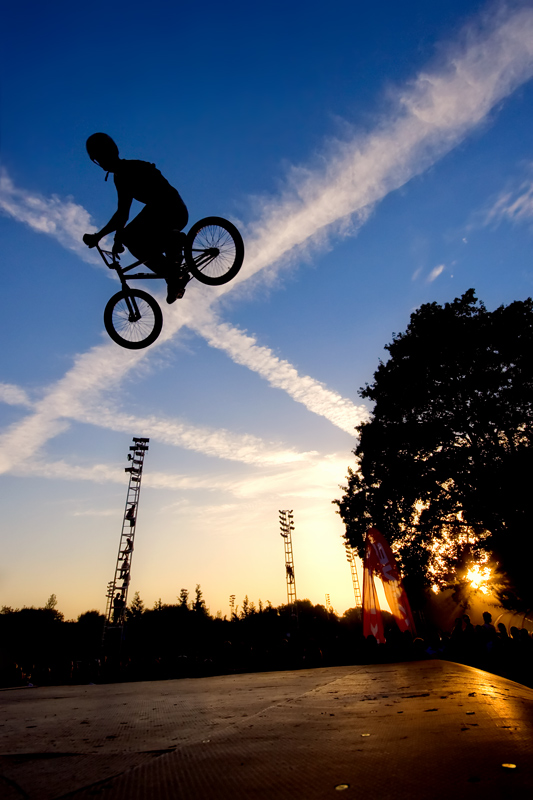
[{"x": 149, "y": 236}]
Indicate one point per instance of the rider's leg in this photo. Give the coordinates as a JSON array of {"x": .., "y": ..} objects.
[
  {"x": 157, "y": 226},
  {"x": 179, "y": 277},
  {"x": 139, "y": 237},
  {"x": 174, "y": 245}
]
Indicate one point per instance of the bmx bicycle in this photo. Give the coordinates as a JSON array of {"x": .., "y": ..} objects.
[{"x": 212, "y": 252}]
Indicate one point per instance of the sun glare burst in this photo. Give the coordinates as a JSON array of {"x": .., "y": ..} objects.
[{"x": 479, "y": 577}]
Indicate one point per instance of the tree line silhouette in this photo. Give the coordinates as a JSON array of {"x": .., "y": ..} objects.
[
  {"x": 38, "y": 646},
  {"x": 183, "y": 640}
]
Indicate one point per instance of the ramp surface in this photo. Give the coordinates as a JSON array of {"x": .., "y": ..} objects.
[{"x": 426, "y": 729}]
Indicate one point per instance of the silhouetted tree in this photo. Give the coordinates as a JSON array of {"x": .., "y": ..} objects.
[
  {"x": 245, "y": 607},
  {"x": 445, "y": 462},
  {"x": 34, "y": 638},
  {"x": 353, "y": 617},
  {"x": 137, "y": 606},
  {"x": 199, "y": 605},
  {"x": 92, "y": 618}
]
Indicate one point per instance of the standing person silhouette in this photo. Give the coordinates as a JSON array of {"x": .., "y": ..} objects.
[{"x": 149, "y": 236}]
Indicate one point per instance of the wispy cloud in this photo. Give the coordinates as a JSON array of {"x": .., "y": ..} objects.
[
  {"x": 315, "y": 479},
  {"x": 514, "y": 205},
  {"x": 24, "y": 439},
  {"x": 243, "y": 349},
  {"x": 435, "y": 272},
  {"x": 94, "y": 373},
  {"x": 219, "y": 443},
  {"x": 65, "y": 220},
  {"x": 432, "y": 115},
  {"x": 278, "y": 469},
  {"x": 14, "y": 395},
  {"x": 104, "y": 473}
]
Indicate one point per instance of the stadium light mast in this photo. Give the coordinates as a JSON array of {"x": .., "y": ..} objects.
[
  {"x": 350, "y": 558},
  {"x": 117, "y": 589},
  {"x": 286, "y": 523}
]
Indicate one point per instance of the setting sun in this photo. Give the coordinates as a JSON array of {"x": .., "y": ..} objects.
[{"x": 479, "y": 577}]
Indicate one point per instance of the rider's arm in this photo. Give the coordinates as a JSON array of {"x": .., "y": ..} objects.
[
  {"x": 116, "y": 223},
  {"x": 119, "y": 218}
]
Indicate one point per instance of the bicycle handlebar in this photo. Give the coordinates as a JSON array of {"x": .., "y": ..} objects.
[{"x": 110, "y": 259}]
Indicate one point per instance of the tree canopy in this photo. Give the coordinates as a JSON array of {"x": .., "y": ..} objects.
[{"x": 443, "y": 467}]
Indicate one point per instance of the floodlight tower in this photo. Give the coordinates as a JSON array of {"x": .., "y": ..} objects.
[
  {"x": 286, "y": 523},
  {"x": 350, "y": 557},
  {"x": 329, "y": 607},
  {"x": 117, "y": 589},
  {"x": 232, "y": 605}
]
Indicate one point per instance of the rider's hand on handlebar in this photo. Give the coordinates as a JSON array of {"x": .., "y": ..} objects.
[
  {"x": 90, "y": 239},
  {"x": 117, "y": 248}
]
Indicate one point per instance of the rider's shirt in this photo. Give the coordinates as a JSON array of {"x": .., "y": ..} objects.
[{"x": 142, "y": 181}]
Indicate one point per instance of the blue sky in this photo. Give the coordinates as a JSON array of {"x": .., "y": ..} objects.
[{"x": 375, "y": 159}]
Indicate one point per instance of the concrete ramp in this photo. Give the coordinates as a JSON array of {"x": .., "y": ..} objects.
[{"x": 426, "y": 729}]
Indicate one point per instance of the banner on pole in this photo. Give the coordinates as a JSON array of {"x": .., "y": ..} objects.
[{"x": 380, "y": 561}]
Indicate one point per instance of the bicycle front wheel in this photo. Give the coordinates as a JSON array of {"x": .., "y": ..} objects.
[
  {"x": 214, "y": 251},
  {"x": 133, "y": 319}
]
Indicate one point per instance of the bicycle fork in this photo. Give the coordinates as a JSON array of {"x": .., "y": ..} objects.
[{"x": 134, "y": 314}]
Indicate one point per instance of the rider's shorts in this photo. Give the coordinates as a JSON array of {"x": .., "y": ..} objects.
[{"x": 149, "y": 233}]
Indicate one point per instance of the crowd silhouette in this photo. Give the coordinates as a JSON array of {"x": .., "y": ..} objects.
[{"x": 489, "y": 647}]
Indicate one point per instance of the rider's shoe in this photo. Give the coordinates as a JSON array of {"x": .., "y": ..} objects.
[
  {"x": 176, "y": 290},
  {"x": 172, "y": 293}
]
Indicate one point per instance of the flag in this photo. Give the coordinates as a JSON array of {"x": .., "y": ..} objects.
[{"x": 380, "y": 561}]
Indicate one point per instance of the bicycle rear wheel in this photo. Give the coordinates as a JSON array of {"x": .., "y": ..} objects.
[
  {"x": 214, "y": 251},
  {"x": 133, "y": 319}
]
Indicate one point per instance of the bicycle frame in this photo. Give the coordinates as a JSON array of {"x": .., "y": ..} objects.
[{"x": 111, "y": 260}]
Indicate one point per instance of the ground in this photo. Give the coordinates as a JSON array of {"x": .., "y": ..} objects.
[{"x": 427, "y": 729}]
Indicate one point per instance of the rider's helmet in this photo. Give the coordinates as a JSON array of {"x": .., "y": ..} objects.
[{"x": 101, "y": 149}]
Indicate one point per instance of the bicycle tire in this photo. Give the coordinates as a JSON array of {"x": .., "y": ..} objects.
[
  {"x": 133, "y": 334},
  {"x": 214, "y": 251}
]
